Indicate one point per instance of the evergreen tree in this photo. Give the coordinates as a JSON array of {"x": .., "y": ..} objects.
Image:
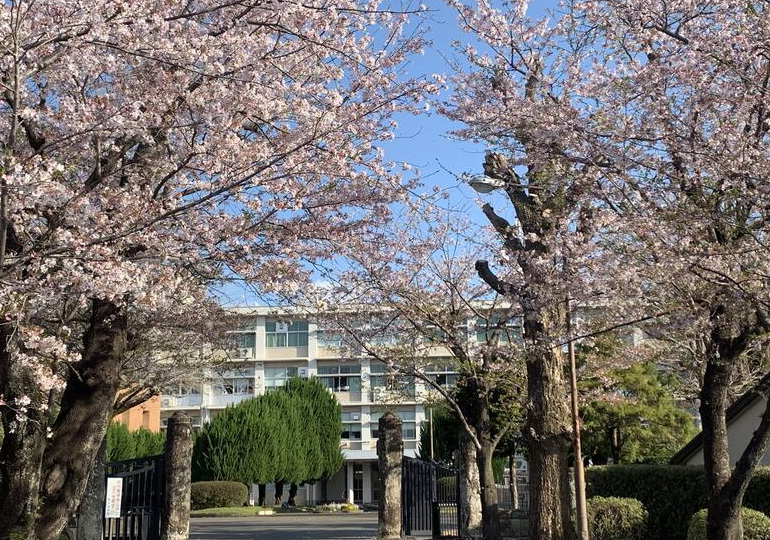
[
  {"x": 289, "y": 435},
  {"x": 638, "y": 420},
  {"x": 123, "y": 443}
]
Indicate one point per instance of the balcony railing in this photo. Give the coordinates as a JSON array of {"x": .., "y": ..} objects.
[
  {"x": 223, "y": 400},
  {"x": 181, "y": 402}
]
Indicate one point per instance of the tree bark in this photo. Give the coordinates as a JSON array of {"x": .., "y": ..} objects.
[
  {"x": 614, "y": 438},
  {"x": 23, "y": 443},
  {"x": 278, "y": 493},
  {"x": 86, "y": 408},
  {"x": 723, "y": 521},
  {"x": 489, "y": 506},
  {"x": 548, "y": 442},
  {"x": 293, "y": 495},
  {"x": 262, "y": 495},
  {"x": 513, "y": 481}
]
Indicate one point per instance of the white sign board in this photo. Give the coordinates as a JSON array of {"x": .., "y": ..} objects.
[{"x": 114, "y": 495}]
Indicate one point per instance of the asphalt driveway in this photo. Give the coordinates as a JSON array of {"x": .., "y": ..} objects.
[{"x": 286, "y": 527}]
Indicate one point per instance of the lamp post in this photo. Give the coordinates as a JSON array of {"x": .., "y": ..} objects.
[{"x": 485, "y": 184}]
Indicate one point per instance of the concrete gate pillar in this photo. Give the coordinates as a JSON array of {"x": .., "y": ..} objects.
[
  {"x": 175, "y": 516},
  {"x": 390, "y": 453}
]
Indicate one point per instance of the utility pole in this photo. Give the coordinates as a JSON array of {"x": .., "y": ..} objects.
[
  {"x": 580, "y": 478},
  {"x": 431, "y": 432}
]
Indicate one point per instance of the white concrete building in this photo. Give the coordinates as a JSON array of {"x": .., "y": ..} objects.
[{"x": 271, "y": 350}]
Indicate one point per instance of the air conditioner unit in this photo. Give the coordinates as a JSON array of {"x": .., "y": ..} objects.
[
  {"x": 356, "y": 416},
  {"x": 302, "y": 372}
]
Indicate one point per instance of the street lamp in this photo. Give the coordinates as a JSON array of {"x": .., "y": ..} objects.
[{"x": 485, "y": 184}]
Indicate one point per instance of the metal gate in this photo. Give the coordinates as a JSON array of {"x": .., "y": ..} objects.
[
  {"x": 429, "y": 498},
  {"x": 141, "y": 498}
]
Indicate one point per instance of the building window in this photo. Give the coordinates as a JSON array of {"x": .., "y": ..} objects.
[
  {"x": 277, "y": 376},
  {"x": 283, "y": 334},
  {"x": 341, "y": 378},
  {"x": 389, "y": 380},
  {"x": 146, "y": 419},
  {"x": 493, "y": 329},
  {"x": 240, "y": 385},
  {"x": 329, "y": 339},
  {"x": 179, "y": 390},
  {"x": 444, "y": 375},
  {"x": 351, "y": 425},
  {"x": 408, "y": 424},
  {"x": 243, "y": 340}
]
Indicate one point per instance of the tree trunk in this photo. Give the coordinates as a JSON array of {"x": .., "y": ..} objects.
[
  {"x": 262, "y": 498},
  {"x": 614, "y": 437},
  {"x": 513, "y": 481},
  {"x": 548, "y": 441},
  {"x": 293, "y": 495},
  {"x": 21, "y": 453},
  {"x": 86, "y": 408},
  {"x": 723, "y": 521},
  {"x": 278, "y": 493},
  {"x": 489, "y": 507}
]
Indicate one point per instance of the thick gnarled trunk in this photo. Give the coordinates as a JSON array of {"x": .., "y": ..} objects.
[
  {"x": 23, "y": 444},
  {"x": 86, "y": 408},
  {"x": 548, "y": 442},
  {"x": 733, "y": 331},
  {"x": 490, "y": 515}
]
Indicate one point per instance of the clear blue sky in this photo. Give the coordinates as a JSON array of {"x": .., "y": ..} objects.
[{"x": 424, "y": 141}]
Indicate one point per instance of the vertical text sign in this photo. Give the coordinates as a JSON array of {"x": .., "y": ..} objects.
[{"x": 114, "y": 495}]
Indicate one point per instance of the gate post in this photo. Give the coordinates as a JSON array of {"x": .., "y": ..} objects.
[
  {"x": 469, "y": 488},
  {"x": 90, "y": 523},
  {"x": 390, "y": 453},
  {"x": 175, "y": 516}
]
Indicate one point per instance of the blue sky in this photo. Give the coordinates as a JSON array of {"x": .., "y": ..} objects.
[{"x": 424, "y": 141}]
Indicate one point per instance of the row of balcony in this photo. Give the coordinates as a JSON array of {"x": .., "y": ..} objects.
[{"x": 193, "y": 401}]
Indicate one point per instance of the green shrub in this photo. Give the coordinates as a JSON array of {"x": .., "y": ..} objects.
[
  {"x": 217, "y": 495},
  {"x": 757, "y": 495},
  {"x": 670, "y": 493},
  {"x": 616, "y": 518},
  {"x": 756, "y": 525}
]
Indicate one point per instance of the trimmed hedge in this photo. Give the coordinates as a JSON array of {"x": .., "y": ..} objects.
[
  {"x": 670, "y": 493},
  {"x": 616, "y": 518},
  {"x": 217, "y": 495},
  {"x": 756, "y": 525}
]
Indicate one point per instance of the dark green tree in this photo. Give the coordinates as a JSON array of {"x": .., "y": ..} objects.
[
  {"x": 289, "y": 435},
  {"x": 636, "y": 418},
  {"x": 123, "y": 443}
]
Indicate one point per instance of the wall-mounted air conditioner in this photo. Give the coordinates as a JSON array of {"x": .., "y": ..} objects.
[{"x": 356, "y": 416}]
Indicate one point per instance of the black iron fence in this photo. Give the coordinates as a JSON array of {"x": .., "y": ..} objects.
[
  {"x": 141, "y": 482},
  {"x": 429, "y": 495}
]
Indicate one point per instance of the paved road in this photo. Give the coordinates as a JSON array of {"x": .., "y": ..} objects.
[{"x": 286, "y": 527}]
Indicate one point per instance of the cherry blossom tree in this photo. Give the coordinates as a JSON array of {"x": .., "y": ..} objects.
[
  {"x": 414, "y": 302},
  {"x": 653, "y": 116},
  {"x": 148, "y": 149}
]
